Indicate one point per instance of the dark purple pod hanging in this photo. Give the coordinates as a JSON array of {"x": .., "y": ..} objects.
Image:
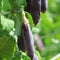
[
  {"x": 20, "y": 43},
  {"x": 28, "y": 40},
  {"x": 33, "y": 7},
  {"x": 43, "y": 5}
]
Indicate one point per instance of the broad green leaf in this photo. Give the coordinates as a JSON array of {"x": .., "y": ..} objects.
[
  {"x": 7, "y": 24},
  {"x": 7, "y": 47}
]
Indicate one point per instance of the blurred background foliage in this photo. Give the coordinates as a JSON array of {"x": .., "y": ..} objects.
[{"x": 48, "y": 30}]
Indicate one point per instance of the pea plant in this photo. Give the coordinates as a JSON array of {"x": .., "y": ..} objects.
[{"x": 17, "y": 17}]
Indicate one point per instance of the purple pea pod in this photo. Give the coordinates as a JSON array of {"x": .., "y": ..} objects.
[
  {"x": 28, "y": 40},
  {"x": 20, "y": 43},
  {"x": 43, "y": 5},
  {"x": 33, "y": 7}
]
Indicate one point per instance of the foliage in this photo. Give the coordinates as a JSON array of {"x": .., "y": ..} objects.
[{"x": 10, "y": 23}]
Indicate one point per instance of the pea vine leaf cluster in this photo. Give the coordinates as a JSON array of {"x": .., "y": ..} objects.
[{"x": 10, "y": 26}]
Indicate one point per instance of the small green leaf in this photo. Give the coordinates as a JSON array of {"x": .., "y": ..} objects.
[
  {"x": 7, "y": 24},
  {"x": 30, "y": 19}
]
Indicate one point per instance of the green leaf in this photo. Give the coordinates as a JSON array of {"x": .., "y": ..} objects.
[
  {"x": 24, "y": 56},
  {"x": 5, "y": 5},
  {"x": 20, "y": 56},
  {"x": 0, "y": 23},
  {"x": 21, "y": 2},
  {"x": 7, "y": 47},
  {"x": 17, "y": 4},
  {"x": 0, "y": 5},
  {"x": 38, "y": 54},
  {"x": 30, "y": 19},
  {"x": 7, "y": 24}
]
